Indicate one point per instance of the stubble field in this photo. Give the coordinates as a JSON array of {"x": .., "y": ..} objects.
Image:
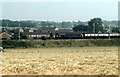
[{"x": 61, "y": 61}]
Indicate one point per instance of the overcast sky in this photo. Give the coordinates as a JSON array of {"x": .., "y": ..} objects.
[{"x": 59, "y": 10}]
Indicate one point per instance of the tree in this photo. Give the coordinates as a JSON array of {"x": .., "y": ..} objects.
[
  {"x": 79, "y": 28},
  {"x": 116, "y": 29},
  {"x": 43, "y": 24},
  {"x": 51, "y": 35},
  {"x": 95, "y": 25},
  {"x": 15, "y": 34},
  {"x": 43, "y": 38},
  {"x": 23, "y": 36}
]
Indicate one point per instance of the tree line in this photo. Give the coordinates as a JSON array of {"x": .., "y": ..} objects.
[{"x": 95, "y": 25}]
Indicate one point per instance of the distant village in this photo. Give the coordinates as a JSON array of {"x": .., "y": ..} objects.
[
  {"x": 48, "y": 32},
  {"x": 34, "y": 33}
]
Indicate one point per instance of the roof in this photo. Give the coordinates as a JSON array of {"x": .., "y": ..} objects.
[{"x": 5, "y": 33}]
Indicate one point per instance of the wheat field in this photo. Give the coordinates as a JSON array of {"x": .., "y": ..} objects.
[{"x": 61, "y": 61}]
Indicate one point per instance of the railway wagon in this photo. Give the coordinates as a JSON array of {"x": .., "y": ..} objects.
[{"x": 112, "y": 35}]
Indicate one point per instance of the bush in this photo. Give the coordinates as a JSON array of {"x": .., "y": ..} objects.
[
  {"x": 58, "y": 43},
  {"x": 43, "y": 38},
  {"x": 16, "y": 44}
]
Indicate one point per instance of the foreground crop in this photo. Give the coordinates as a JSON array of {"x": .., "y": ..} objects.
[{"x": 61, "y": 61}]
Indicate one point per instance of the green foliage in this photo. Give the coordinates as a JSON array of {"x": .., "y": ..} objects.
[
  {"x": 6, "y": 22},
  {"x": 116, "y": 29},
  {"x": 51, "y": 35},
  {"x": 16, "y": 44},
  {"x": 59, "y": 43},
  {"x": 80, "y": 28},
  {"x": 106, "y": 42},
  {"x": 43, "y": 38},
  {"x": 95, "y": 25}
]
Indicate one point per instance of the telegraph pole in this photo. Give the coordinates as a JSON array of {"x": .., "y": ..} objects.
[
  {"x": 7, "y": 28},
  {"x": 19, "y": 31},
  {"x": 94, "y": 29},
  {"x": 109, "y": 31}
]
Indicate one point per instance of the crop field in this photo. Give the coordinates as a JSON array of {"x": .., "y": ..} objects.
[{"x": 60, "y": 61}]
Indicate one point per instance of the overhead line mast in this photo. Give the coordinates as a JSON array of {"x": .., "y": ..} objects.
[{"x": 19, "y": 30}]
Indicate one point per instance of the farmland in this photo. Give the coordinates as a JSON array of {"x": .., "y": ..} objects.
[{"x": 61, "y": 61}]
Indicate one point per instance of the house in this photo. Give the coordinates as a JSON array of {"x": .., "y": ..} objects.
[
  {"x": 5, "y": 36},
  {"x": 33, "y": 33},
  {"x": 31, "y": 30},
  {"x": 21, "y": 30},
  {"x": 27, "y": 29},
  {"x": 48, "y": 31}
]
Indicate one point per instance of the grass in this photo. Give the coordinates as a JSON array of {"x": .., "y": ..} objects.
[
  {"x": 61, "y": 61},
  {"x": 59, "y": 43}
]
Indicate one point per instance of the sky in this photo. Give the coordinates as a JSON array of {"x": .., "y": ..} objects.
[{"x": 59, "y": 10}]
